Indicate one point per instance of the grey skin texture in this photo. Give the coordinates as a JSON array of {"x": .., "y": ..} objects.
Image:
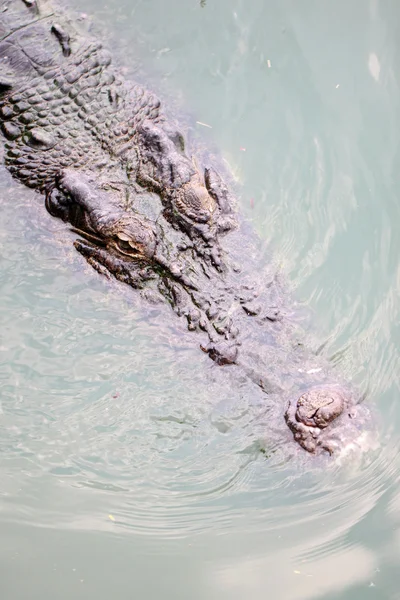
[{"x": 111, "y": 164}]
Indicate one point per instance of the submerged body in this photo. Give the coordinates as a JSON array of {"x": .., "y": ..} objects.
[{"x": 109, "y": 162}]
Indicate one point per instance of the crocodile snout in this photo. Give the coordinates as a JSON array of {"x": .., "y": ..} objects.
[{"x": 310, "y": 417}]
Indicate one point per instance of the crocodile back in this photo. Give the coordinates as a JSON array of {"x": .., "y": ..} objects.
[
  {"x": 25, "y": 43},
  {"x": 61, "y": 103}
]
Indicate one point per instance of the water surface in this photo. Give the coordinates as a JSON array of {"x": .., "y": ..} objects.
[{"x": 131, "y": 466}]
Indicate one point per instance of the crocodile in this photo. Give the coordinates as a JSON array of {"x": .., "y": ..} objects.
[{"x": 111, "y": 163}]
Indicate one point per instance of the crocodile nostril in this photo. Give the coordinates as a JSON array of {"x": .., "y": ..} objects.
[
  {"x": 319, "y": 406},
  {"x": 309, "y": 416}
]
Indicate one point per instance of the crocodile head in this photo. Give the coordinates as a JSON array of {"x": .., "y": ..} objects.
[{"x": 144, "y": 249}]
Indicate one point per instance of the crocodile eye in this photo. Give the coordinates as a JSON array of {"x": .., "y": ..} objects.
[{"x": 127, "y": 247}]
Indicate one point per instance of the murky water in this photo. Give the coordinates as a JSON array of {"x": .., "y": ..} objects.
[{"x": 130, "y": 466}]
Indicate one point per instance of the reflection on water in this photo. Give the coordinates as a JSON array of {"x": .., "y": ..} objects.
[{"x": 123, "y": 451}]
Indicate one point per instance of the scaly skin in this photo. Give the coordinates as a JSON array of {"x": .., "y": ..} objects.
[{"x": 112, "y": 165}]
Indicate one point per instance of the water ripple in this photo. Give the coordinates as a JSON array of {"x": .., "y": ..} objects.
[{"x": 110, "y": 425}]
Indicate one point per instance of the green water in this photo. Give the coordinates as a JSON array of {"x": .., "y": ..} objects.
[{"x": 129, "y": 467}]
